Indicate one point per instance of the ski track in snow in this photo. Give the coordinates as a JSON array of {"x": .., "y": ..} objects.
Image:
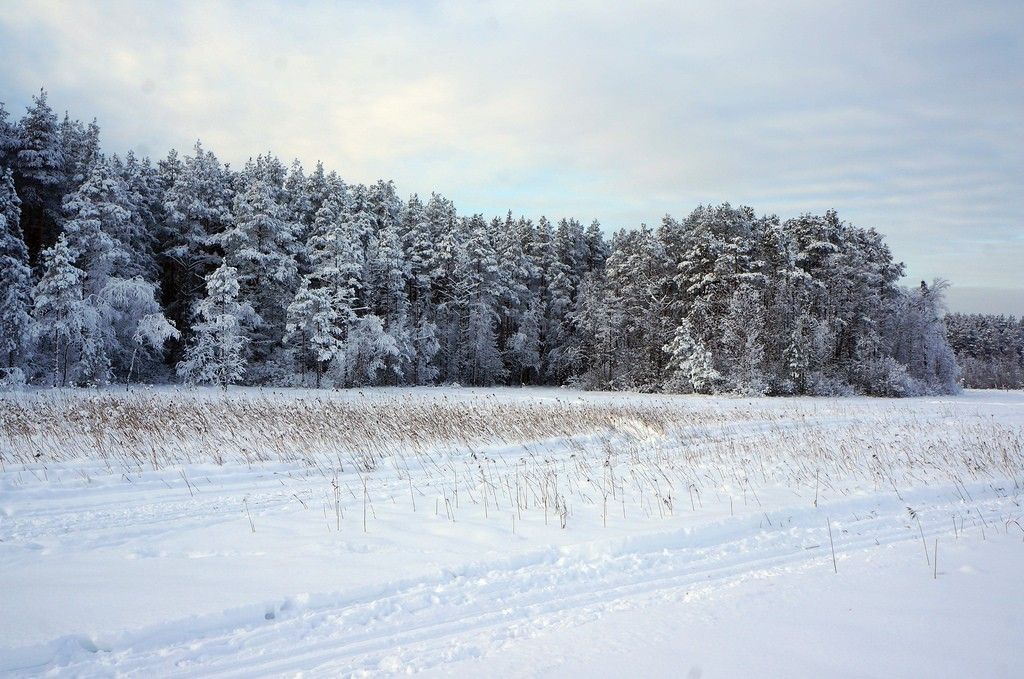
[{"x": 427, "y": 623}]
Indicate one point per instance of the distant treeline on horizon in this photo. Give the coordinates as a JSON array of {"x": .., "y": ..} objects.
[
  {"x": 119, "y": 270},
  {"x": 989, "y": 349}
]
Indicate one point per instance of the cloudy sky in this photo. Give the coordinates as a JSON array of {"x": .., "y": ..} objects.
[{"x": 908, "y": 117}]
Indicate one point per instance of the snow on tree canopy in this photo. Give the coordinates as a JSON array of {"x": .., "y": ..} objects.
[{"x": 275, "y": 274}]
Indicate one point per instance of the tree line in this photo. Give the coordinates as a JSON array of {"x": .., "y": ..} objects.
[
  {"x": 989, "y": 349},
  {"x": 118, "y": 269}
]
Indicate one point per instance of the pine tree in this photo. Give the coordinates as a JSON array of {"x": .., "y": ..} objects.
[
  {"x": 298, "y": 199},
  {"x": 336, "y": 274},
  {"x": 40, "y": 176},
  {"x": 314, "y": 328},
  {"x": 473, "y": 304},
  {"x": 389, "y": 301},
  {"x": 743, "y": 343},
  {"x": 419, "y": 246},
  {"x": 98, "y": 227},
  {"x": 691, "y": 366},
  {"x": 144, "y": 199},
  {"x": 796, "y": 359},
  {"x": 426, "y": 344},
  {"x": 597, "y": 249},
  {"x": 365, "y": 354},
  {"x": 419, "y": 252},
  {"x": 335, "y": 255},
  {"x": 261, "y": 245},
  {"x": 106, "y": 241},
  {"x": 8, "y": 138},
  {"x": 58, "y": 311},
  {"x": 81, "y": 146},
  {"x": 319, "y": 185},
  {"x": 523, "y": 347},
  {"x": 197, "y": 207},
  {"x": 216, "y": 354},
  {"x": 926, "y": 352},
  {"x": 639, "y": 284},
  {"x": 16, "y": 294},
  {"x": 598, "y": 320}
]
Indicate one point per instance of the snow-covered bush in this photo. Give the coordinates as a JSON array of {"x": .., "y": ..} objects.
[{"x": 12, "y": 379}]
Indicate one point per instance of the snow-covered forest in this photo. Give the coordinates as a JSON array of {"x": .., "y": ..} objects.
[
  {"x": 118, "y": 269},
  {"x": 989, "y": 350}
]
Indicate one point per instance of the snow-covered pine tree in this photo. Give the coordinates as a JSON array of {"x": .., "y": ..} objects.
[
  {"x": 16, "y": 292},
  {"x": 519, "y": 307},
  {"x": 313, "y": 330},
  {"x": 39, "y": 174},
  {"x": 298, "y": 199},
  {"x": 337, "y": 260},
  {"x": 388, "y": 295},
  {"x": 426, "y": 344},
  {"x": 597, "y": 320},
  {"x": 335, "y": 254},
  {"x": 260, "y": 245},
  {"x": 743, "y": 343},
  {"x": 522, "y": 349},
  {"x": 365, "y": 354},
  {"x": 446, "y": 236},
  {"x": 216, "y": 354},
  {"x": 558, "y": 333},
  {"x": 597, "y": 248},
  {"x": 125, "y": 317},
  {"x": 97, "y": 224},
  {"x": 573, "y": 250},
  {"x": 795, "y": 357},
  {"x": 419, "y": 244},
  {"x": 8, "y": 138},
  {"x": 197, "y": 206},
  {"x": 319, "y": 185},
  {"x": 639, "y": 276},
  {"x": 925, "y": 349},
  {"x": 59, "y": 312},
  {"x": 145, "y": 202},
  {"x": 691, "y": 367},
  {"x": 81, "y": 146},
  {"x": 476, "y": 280},
  {"x": 482, "y": 364},
  {"x": 555, "y": 299}
]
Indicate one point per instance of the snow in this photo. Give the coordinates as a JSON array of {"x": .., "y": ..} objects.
[
  {"x": 883, "y": 616},
  {"x": 235, "y": 569}
]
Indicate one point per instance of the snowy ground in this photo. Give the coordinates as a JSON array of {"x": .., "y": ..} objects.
[{"x": 179, "y": 533}]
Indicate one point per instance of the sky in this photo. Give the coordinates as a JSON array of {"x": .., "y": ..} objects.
[{"x": 904, "y": 116}]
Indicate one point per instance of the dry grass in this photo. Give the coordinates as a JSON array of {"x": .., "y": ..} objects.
[{"x": 651, "y": 456}]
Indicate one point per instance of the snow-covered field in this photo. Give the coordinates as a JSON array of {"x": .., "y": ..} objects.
[{"x": 509, "y": 532}]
